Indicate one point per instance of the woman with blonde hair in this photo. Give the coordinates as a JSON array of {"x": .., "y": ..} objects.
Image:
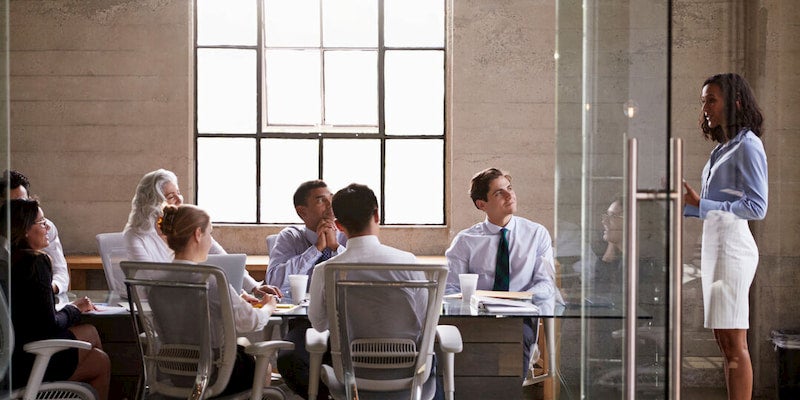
[{"x": 187, "y": 229}]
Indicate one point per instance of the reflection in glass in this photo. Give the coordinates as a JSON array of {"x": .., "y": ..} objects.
[
  {"x": 225, "y": 176},
  {"x": 226, "y": 98},
  {"x": 292, "y": 23},
  {"x": 350, "y": 23},
  {"x": 406, "y": 162},
  {"x": 414, "y": 92},
  {"x": 349, "y": 161},
  {"x": 351, "y": 89},
  {"x": 278, "y": 181},
  {"x": 231, "y": 22},
  {"x": 409, "y": 23},
  {"x": 293, "y": 79}
]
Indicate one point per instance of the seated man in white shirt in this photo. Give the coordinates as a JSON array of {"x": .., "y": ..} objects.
[
  {"x": 509, "y": 253},
  {"x": 18, "y": 188},
  {"x": 356, "y": 209}
]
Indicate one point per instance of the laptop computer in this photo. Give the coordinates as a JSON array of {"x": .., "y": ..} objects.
[{"x": 233, "y": 265}]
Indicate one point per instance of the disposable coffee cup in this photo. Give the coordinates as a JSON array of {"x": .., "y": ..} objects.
[
  {"x": 297, "y": 285},
  {"x": 469, "y": 283}
]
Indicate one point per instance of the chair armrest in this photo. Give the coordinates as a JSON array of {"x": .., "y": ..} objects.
[
  {"x": 449, "y": 338},
  {"x": 316, "y": 345},
  {"x": 270, "y": 346},
  {"x": 316, "y": 341},
  {"x": 51, "y": 346}
]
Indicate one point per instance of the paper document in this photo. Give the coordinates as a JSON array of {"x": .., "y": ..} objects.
[{"x": 497, "y": 305}]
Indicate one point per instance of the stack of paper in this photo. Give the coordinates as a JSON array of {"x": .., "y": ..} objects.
[{"x": 504, "y": 306}]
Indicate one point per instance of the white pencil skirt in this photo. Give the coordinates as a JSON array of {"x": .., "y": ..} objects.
[{"x": 728, "y": 264}]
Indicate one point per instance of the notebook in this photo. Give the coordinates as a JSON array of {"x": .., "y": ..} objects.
[{"x": 233, "y": 265}]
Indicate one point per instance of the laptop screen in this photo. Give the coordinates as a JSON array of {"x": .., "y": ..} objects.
[{"x": 233, "y": 265}]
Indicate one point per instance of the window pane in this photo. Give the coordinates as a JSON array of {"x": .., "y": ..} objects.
[
  {"x": 291, "y": 23},
  {"x": 413, "y": 23},
  {"x": 293, "y": 87},
  {"x": 406, "y": 161},
  {"x": 231, "y": 22},
  {"x": 350, "y": 23},
  {"x": 226, "y": 91},
  {"x": 414, "y": 100},
  {"x": 351, "y": 88},
  {"x": 285, "y": 164},
  {"x": 349, "y": 161},
  {"x": 226, "y": 173}
]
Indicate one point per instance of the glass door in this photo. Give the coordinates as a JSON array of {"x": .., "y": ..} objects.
[{"x": 613, "y": 217}]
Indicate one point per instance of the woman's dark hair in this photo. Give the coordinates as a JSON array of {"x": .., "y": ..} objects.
[
  {"x": 21, "y": 218},
  {"x": 747, "y": 114},
  {"x": 179, "y": 223}
]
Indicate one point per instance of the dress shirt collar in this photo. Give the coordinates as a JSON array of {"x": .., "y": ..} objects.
[
  {"x": 493, "y": 229},
  {"x": 363, "y": 242}
]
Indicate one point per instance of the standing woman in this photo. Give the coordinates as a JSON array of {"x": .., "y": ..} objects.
[
  {"x": 33, "y": 313},
  {"x": 734, "y": 190}
]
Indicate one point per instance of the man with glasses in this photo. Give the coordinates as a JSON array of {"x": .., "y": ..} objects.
[
  {"x": 18, "y": 187},
  {"x": 509, "y": 253}
]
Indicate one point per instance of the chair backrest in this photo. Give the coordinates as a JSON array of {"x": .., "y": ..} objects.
[
  {"x": 271, "y": 239},
  {"x": 233, "y": 265},
  {"x": 112, "y": 250},
  {"x": 382, "y": 320},
  {"x": 185, "y": 312}
]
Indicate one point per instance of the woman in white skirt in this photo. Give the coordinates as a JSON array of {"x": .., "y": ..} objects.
[{"x": 734, "y": 190}]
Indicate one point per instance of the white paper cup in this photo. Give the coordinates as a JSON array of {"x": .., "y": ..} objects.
[
  {"x": 469, "y": 283},
  {"x": 298, "y": 284}
]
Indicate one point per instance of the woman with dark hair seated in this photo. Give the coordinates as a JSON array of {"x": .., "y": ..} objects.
[{"x": 32, "y": 305}]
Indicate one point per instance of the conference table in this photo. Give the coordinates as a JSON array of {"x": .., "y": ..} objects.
[{"x": 488, "y": 366}]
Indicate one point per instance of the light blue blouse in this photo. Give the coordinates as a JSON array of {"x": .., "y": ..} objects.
[{"x": 734, "y": 179}]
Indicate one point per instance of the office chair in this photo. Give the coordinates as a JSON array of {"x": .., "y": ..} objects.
[
  {"x": 44, "y": 349},
  {"x": 189, "y": 336},
  {"x": 112, "y": 250},
  {"x": 383, "y": 322}
]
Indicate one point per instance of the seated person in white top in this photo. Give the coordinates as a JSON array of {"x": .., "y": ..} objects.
[
  {"x": 297, "y": 250},
  {"x": 143, "y": 239},
  {"x": 18, "y": 188},
  {"x": 356, "y": 209},
  {"x": 529, "y": 253},
  {"x": 188, "y": 229}
]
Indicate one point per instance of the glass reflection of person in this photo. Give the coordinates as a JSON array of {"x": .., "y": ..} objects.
[{"x": 733, "y": 191}]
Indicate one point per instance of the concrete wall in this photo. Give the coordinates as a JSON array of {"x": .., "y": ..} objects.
[{"x": 101, "y": 93}]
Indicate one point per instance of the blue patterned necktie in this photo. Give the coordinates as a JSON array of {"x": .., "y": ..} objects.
[
  {"x": 501, "y": 272},
  {"x": 326, "y": 255}
]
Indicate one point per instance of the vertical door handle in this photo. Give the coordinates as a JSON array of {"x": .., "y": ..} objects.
[{"x": 631, "y": 258}]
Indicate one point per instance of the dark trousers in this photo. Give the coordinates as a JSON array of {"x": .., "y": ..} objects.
[
  {"x": 294, "y": 364},
  {"x": 530, "y": 335}
]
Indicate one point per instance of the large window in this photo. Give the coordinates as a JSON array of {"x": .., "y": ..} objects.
[{"x": 341, "y": 90}]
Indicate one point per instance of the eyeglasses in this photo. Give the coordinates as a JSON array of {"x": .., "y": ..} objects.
[
  {"x": 42, "y": 222},
  {"x": 607, "y": 216}
]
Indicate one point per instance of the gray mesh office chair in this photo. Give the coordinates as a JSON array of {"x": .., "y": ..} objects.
[
  {"x": 112, "y": 250},
  {"x": 189, "y": 340},
  {"x": 383, "y": 321}
]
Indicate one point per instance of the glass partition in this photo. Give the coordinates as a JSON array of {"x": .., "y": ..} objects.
[
  {"x": 5, "y": 353},
  {"x": 612, "y": 85}
]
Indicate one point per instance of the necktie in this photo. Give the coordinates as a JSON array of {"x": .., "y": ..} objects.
[
  {"x": 326, "y": 254},
  {"x": 501, "y": 273}
]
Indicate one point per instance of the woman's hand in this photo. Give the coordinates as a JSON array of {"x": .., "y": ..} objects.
[
  {"x": 691, "y": 197},
  {"x": 84, "y": 304}
]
